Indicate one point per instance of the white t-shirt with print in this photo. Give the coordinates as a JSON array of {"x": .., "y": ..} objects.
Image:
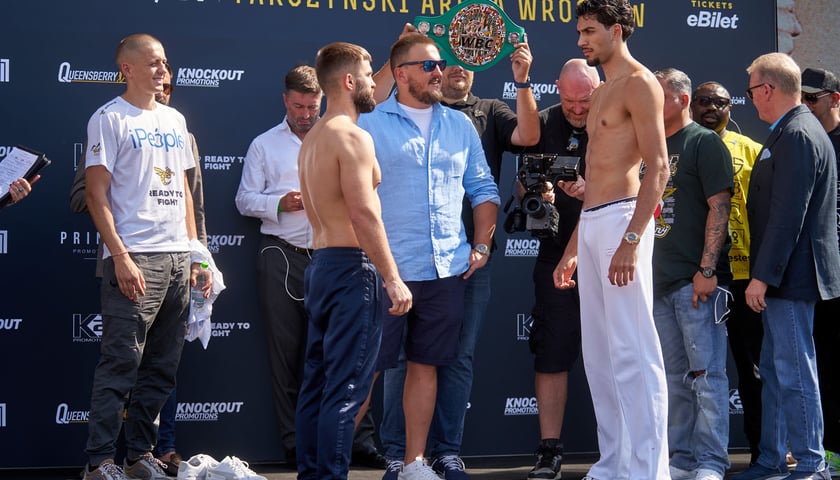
[{"x": 146, "y": 152}]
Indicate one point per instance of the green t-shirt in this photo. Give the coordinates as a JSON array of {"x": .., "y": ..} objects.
[{"x": 700, "y": 166}]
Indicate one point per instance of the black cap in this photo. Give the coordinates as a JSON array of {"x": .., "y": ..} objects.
[{"x": 817, "y": 80}]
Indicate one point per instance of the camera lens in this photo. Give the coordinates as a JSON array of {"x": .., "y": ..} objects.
[{"x": 533, "y": 206}]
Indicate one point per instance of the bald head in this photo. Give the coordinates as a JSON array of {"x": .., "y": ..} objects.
[
  {"x": 131, "y": 45},
  {"x": 575, "y": 85}
]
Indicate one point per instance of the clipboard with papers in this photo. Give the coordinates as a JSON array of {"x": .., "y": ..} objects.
[{"x": 20, "y": 162}]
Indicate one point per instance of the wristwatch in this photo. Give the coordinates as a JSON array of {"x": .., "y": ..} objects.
[
  {"x": 525, "y": 84},
  {"x": 707, "y": 272},
  {"x": 632, "y": 238},
  {"x": 482, "y": 249}
]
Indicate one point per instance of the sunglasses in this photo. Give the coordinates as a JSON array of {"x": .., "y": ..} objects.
[
  {"x": 428, "y": 65},
  {"x": 706, "y": 101},
  {"x": 750, "y": 90},
  {"x": 167, "y": 88},
  {"x": 813, "y": 98}
]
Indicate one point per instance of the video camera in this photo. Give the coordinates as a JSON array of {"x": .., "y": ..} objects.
[{"x": 534, "y": 213}]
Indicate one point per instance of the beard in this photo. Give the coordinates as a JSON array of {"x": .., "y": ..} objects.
[
  {"x": 427, "y": 96},
  {"x": 363, "y": 100}
]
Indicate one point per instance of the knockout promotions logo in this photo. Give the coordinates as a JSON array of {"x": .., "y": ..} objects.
[
  {"x": 66, "y": 74},
  {"x": 521, "y": 406},
  {"x": 10, "y": 323},
  {"x": 522, "y": 247},
  {"x": 524, "y": 324},
  {"x": 87, "y": 328},
  {"x": 215, "y": 242},
  {"x": 509, "y": 90},
  {"x": 206, "y": 411},
  {"x": 206, "y": 77},
  {"x": 65, "y": 416}
]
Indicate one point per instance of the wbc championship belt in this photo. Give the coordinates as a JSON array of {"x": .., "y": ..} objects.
[{"x": 474, "y": 34}]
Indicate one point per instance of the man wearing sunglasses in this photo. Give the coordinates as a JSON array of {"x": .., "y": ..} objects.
[
  {"x": 431, "y": 157},
  {"x": 500, "y": 130},
  {"x": 689, "y": 264},
  {"x": 711, "y": 107},
  {"x": 794, "y": 262},
  {"x": 820, "y": 94}
]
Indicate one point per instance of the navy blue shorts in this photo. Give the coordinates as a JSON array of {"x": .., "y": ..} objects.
[
  {"x": 555, "y": 333},
  {"x": 432, "y": 327}
]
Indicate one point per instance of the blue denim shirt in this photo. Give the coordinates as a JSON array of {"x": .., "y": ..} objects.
[{"x": 423, "y": 187}]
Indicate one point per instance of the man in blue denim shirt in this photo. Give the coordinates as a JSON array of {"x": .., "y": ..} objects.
[{"x": 430, "y": 157}]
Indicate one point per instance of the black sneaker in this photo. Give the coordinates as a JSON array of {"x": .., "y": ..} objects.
[{"x": 549, "y": 458}]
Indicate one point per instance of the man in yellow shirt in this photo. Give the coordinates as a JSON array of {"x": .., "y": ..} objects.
[{"x": 711, "y": 106}]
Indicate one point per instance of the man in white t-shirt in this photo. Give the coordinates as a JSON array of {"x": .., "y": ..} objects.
[{"x": 140, "y": 202}]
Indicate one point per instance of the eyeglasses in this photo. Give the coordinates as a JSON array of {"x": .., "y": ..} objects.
[
  {"x": 428, "y": 65},
  {"x": 167, "y": 88},
  {"x": 749, "y": 90},
  {"x": 813, "y": 98},
  {"x": 706, "y": 101}
]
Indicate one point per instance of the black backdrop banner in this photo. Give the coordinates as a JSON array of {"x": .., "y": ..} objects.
[{"x": 229, "y": 58}]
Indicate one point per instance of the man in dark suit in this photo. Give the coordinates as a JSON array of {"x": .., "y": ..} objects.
[{"x": 794, "y": 263}]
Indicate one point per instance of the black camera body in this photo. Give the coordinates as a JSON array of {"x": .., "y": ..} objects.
[{"x": 534, "y": 213}]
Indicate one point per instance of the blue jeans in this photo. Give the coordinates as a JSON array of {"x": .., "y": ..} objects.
[
  {"x": 343, "y": 295},
  {"x": 790, "y": 397},
  {"x": 454, "y": 384},
  {"x": 166, "y": 426},
  {"x": 698, "y": 406}
]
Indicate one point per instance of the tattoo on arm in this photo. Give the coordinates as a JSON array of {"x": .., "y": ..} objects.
[{"x": 717, "y": 224}]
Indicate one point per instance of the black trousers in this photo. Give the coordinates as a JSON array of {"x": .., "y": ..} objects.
[{"x": 827, "y": 343}]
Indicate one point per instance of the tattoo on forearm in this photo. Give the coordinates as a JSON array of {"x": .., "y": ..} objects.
[{"x": 717, "y": 224}]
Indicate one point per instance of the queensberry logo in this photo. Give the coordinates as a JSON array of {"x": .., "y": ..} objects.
[
  {"x": 156, "y": 139},
  {"x": 206, "y": 77},
  {"x": 65, "y": 416},
  {"x": 66, "y": 74}
]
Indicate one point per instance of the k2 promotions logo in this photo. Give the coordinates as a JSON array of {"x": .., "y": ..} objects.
[
  {"x": 4, "y": 70},
  {"x": 87, "y": 328},
  {"x": 524, "y": 324},
  {"x": 4, "y": 242}
]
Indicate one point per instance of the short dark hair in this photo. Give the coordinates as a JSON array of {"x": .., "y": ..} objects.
[
  {"x": 335, "y": 59},
  {"x": 609, "y": 13},
  {"x": 399, "y": 50},
  {"x": 302, "y": 79}
]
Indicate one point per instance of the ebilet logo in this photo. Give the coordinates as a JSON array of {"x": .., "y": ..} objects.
[
  {"x": 521, "y": 406},
  {"x": 524, "y": 324},
  {"x": 88, "y": 328}
]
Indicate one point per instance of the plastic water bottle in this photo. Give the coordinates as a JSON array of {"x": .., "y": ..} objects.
[{"x": 196, "y": 292}]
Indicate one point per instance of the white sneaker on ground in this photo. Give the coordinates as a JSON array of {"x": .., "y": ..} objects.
[
  {"x": 418, "y": 470},
  {"x": 232, "y": 468},
  {"x": 680, "y": 474},
  {"x": 708, "y": 474},
  {"x": 196, "y": 467},
  {"x": 146, "y": 467}
]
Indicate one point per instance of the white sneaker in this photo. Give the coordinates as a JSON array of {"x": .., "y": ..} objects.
[
  {"x": 708, "y": 474},
  {"x": 232, "y": 468},
  {"x": 418, "y": 470},
  {"x": 196, "y": 467},
  {"x": 680, "y": 474}
]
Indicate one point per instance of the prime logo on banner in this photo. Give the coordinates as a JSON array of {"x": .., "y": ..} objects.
[{"x": 229, "y": 58}]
